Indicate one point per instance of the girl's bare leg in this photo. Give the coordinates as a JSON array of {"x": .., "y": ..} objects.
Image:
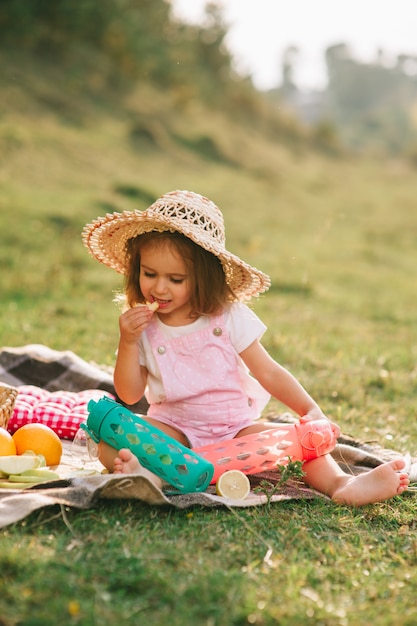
[{"x": 325, "y": 475}]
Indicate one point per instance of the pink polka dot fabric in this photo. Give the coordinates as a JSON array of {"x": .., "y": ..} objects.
[{"x": 63, "y": 411}]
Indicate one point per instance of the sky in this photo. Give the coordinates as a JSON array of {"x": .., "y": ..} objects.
[{"x": 260, "y": 30}]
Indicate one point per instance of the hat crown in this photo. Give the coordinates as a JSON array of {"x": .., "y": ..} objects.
[{"x": 194, "y": 215}]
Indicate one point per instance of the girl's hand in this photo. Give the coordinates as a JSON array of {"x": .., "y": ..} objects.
[
  {"x": 133, "y": 322},
  {"x": 316, "y": 414}
]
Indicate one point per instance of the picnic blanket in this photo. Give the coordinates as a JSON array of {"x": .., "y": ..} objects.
[{"x": 81, "y": 482}]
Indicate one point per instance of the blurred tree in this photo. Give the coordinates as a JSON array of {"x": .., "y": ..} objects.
[
  {"x": 370, "y": 102},
  {"x": 115, "y": 45},
  {"x": 289, "y": 59},
  {"x": 139, "y": 38}
]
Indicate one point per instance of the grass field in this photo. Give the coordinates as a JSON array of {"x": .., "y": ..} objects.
[{"x": 338, "y": 238}]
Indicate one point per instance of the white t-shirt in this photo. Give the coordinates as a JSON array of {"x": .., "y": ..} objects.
[{"x": 243, "y": 327}]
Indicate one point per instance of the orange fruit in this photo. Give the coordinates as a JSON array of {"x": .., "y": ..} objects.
[
  {"x": 41, "y": 440},
  {"x": 7, "y": 444}
]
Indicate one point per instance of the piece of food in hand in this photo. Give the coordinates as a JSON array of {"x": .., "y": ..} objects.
[
  {"x": 233, "y": 484},
  {"x": 152, "y": 306}
]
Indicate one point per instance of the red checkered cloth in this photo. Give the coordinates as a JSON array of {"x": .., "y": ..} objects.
[
  {"x": 63, "y": 411},
  {"x": 40, "y": 369}
]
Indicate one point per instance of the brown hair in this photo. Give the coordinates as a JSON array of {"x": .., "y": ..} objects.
[{"x": 210, "y": 292}]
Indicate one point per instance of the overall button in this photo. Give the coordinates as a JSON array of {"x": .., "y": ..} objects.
[
  {"x": 161, "y": 350},
  {"x": 217, "y": 331}
]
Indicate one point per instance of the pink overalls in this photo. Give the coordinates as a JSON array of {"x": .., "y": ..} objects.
[{"x": 203, "y": 385}]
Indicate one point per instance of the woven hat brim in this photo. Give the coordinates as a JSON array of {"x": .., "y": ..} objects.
[{"x": 106, "y": 240}]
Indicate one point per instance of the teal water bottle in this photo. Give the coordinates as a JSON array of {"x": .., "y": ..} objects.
[{"x": 179, "y": 466}]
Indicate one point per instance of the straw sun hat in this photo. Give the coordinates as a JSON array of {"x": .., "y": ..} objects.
[{"x": 186, "y": 212}]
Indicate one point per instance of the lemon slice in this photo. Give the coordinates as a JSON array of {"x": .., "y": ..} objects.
[{"x": 233, "y": 484}]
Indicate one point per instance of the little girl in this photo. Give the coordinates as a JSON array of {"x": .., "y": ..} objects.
[{"x": 192, "y": 357}]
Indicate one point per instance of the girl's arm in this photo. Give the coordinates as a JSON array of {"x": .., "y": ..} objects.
[
  {"x": 129, "y": 376},
  {"x": 279, "y": 382}
]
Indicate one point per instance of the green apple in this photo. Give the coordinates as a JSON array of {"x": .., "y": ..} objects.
[
  {"x": 16, "y": 464},
  {"x": 34, "y": 476},
  {"x": 41, "y": 472},
  {"x": 7, "y": 485}
]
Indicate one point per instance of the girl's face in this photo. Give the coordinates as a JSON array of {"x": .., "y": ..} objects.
[{"x": 164, "y": 278}]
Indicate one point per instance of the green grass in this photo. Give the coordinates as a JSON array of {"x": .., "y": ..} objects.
[
  {"x": 293, "y": 563},
  {"x": 338, "y": 238}
]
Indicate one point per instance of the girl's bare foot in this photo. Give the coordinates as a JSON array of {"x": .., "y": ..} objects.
[
  {"x": 381, "y": 483},
  {"x": 126, "y": 463}
]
